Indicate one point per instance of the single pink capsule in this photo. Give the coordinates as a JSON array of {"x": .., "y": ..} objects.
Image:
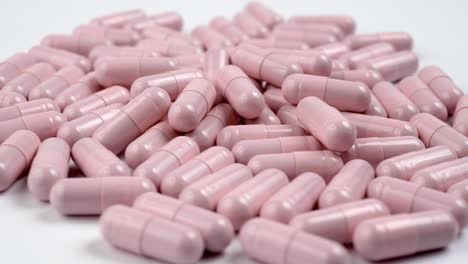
[
  {"x": 167, "y": 158},
  {"x": 407, "y": 165},
  {"x": 167, "y": 49},
  {"x": 230, "y": 31},
  {"x": 375, "y": 107},
  {"x": 250, "y": 25},
  {"x": 215, "y": 59},
  {"x": 263, "y": 14},
  {"x": 83, "y": 88},
  {"x": 27, "y": 108},
  {"x": 117, "y": 36},
  {"x": 394, "y": 66},
  {"x": 434, "y": 132},
  {"x": 377, "y": 149},
  {"x": 368, "y": 77},
  {"x": 108, "y": 96},
  {"x": 460, "y": 190},
  {"x": 404, "y": 234},
  {"x": 144, "y": 234},
  {"x": 345, "y": 187},
  {"x": 339, "y": 222},
  {"x": 14, "y": 66},
  {"x": 333, "y": 50},
  {"x": 376, "y": 126},
  {"x": 200, "y": 166},
  {"x": 95, "y": 160},
  {"x": 274, "y": 98},
  {"x": 271, "y": 242},
  {"x": 443, "y": 175},
  {"x": 288, "y": 116},
  {"x": 246, "y": 200},
  {"x": 325, "y": 163},
  {"x": 44, "y": 125},
  {"x": 441, "y": 85},
  {"x": 16, "y": 154},
  {"x": 60, "y": 58},
  {"x": 406, "y": 197},
  {"x": 171, "y": 20},
  {"x": 118, "y": 19},
  {"x": 246, "y": 149},
  {"x": 460, "y": 116},
  {"x": 148, "y": 143},
  {"x": 80, "y": 44},
  {"x": 30, "y": 78},
  {"x": 354, "y": 58},
  {"x": 209, "y": 190},
  {"x": 10, "y": 98},
  {"x": 313, "y": 39},
  {"x": 210, "y": 38},
  {"x": 50, "y": 164},
  {"x": 297, "y": 197},
  {"x": 309, "y": 29},
  {"x": 56, "y": 83},
  {"x": 396, "y": 103},
  {"x": 346, "y": 23},
  {"x": 266, "y": 117},
  {"x": 399, "y": 40},
  {"x": 273, "y": 43},
  {"x": 326, "y": 124}
]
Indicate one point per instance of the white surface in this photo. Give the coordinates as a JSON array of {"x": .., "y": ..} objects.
[{"x": 31, "y": 231}]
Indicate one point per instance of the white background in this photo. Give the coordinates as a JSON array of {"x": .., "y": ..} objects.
[{"x": 31, "y": 231}]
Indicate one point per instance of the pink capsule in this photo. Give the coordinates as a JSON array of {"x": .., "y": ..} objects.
[
  {"x": 246, "y": 149},
  {"x": 274, "y": 98},
  {"x": 393, "y": 67},
  {"x": 14, "y": 66},
  {"x": 405, "y": 197},
  {"x": 317, "y": 65},
  {"x": 434, "y": 132},
  {"x": 167, "y": 34},
  {"x": 333, "y": 50},
  {"x": 167, "y": 49},
  {"x": 228, "y": 30},
  {"x": 345, "y": 186},
  {"x": 356, "y": 57},
  {"x": 50, "y": 164},
  {"x": 171, "y": 20},
  {"x": 30, "y": 78},
  {"x": 297, "y": 197},
  {"x": 375, "y": 107},
  {"x": 263, "y": 14},
  {"x": 271, "y": 242},
  {"x": 210, "y": 38},
  {"x": 167, "y": 158},
  {"x": 85, "y": 125},
  {"x": 250, "y": 25},
  {"x": 16, "y": 154},
  {"x": 200, "y": 166},
  {"x": 209, "y": 190},
  {"x": 274, "y": 44},
  {"x": 95, "y": 160},
  {"x": 118, "y": 36},
  {"x": 56, "y": 83},
  {"x": 399, "y": 40},
  {"x": 288, "y": 115},
  {"x": 80, "y": 44},
  {"x": 309, "y": 29},
  {"x": 44, "y": 125},
  {"x": 324, "y": 163},
  {"x": 338, "y": 66},
  {"x": 266, "y": 117},
  {"x": 142, "y": 233},
  {"x": 397, "y": 105},
  {"x": 407, "y": 165},
  {"x": 118, "y": 19},
  {"x": 339, "y": 222},
  {"x": 443, "y": 175},
  {"x": 376, "y": 149},
  {"x": 60, "y": 58},
  {"x": 326, "y": 124},
  {"x": 404, "y": 234},
  {"x": 27, "y": 108},
  {"x": 83, "y": 88},
  {"x": 246, "y": 200},
  {"x": 376, "y": 126},
  {"x": 460, "y": 190},
  {"x": 368, "y": 77},
  {"x": 10, "y": 98},
  {"x": 346, "y": 23},
  {"x": 460, "y": 116},
  {"x": 108, "y": 96},
  {"x": 215, "y": 59},
  {"x": 313, "y": 39}
]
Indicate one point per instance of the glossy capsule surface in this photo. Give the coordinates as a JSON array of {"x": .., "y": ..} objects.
[
  {"x": 14, "y": 66},
  {"x": 394, "y": 66},
  {"x": 444, "y": 175},
  {"x": 77, "y": 91},
  {"x": 460, "y": 116},
  {"x": 376, "y": 126},
  {"x": 399, "y": 40},
  {"x": 59, "y": 81},
  {"x": 396, "y": 103},
  {"x": 30, "y": 78},
  {"x": 27, "y": 108}
]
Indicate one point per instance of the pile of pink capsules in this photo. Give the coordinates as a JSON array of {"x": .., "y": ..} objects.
[{"x": 242, "y": 126}]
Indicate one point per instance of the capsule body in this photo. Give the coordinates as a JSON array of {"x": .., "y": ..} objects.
[
  {"x": 344, "y": 22},
  {"x": 396, "y": 103},
  {"x": 59, "y": 58},
  {"x": 14, "y": 66},
  {"x": 263, "y": 14},
  {"x": 376, "y": 126},
  {"x": 250, "y": 25},
  {"x": 444, "y": 175},
  {"x": 399, "y": 40},
  {"x": 368, "y": 77},
  {"x": 58, "y": 82},
  {"x": 354, "y": 58},
  {"x": 375, "y": 107},
  {"x": 30, "y": 78},
  {"x": 11, "y": 98},
  {"x": 80, "y": 44},
  {"x": 118, "y": 19},
  {"x": 460, "y": 116},
  {"x": 227, "y": 29},
  {"x": 81, "y": 89},
  {"x": 210, "y": 38},
  {"x": 274, "y": 98},
  {"x": 459, "y": 190},
  {"x": 288, "y": 116},
  {"x": 27, "y": 108},
  {"x": 393, "y": 67}
]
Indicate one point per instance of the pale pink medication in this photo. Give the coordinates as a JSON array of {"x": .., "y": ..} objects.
[
  {"x": 246, "y": 149},
  {"x": 208, "y": 191},
  {"x": 118, "y": 19},
  {"x": 368, "y": 77},
  {"x": 266, "y": 117},
  {"x": 346, "y": 23},
  {"x": 80, "y": 44},
  {"x": 406, "y": 197},
  {"x": 108, "y": 96},
  {"x": 274, "y": 98},
  {"x": 85, "y": 125},
  {"x": 404, "y": 234},
  {"x": 339, "y": 222},
  {"x": 200, "y": 166},
  {"x": 171, "y": 20},
  {"x": 354, "y": 58},
  {"x": 460, "y": 116},
  {"x": 50, "y": 164},
  {"x": 83, "y": 88},
  {"x": 442, "y": 86},
  {"x": 420, "y": 94},
  {"x": 396, "y": 103},
  {"x": 399, "y": 40},
  {"x": 250, "y": 25},
  {"x": 58, "y": 82},
  {"x": 326, "y": 124},
  {"x": 14, "y": 66},
  {"x": 460, "y": 190},
  {"x": 272, "y": 43},
  {"x": 101, "y": 53},
  {"x": 228, "y": 29},
  {"x": 44, "y": 125},
  {"x": 27, "y": 108},
  {"x": 167, "y": 158},
  {"x": 246, "y": 200},
  {"x": 375, "y": 107},
  {"x": 16, "y": 154},
  {"x": 443, "y": 175},
  {"x": 60, "y": 58},
  {"x": 30, "y": 78},
  {"x": 167, "y": 34},
  {"x": 434, "y": 132},
  {"x": 216, "y": 230},
  {"x": 348, "y": 185},
  {"x": 341, "y": 94},
  {"x": 288, "y": 116},
  {"x": 263, "y": 14},
  {"x": 313, "y": 39},
  {"x": 394, "y": 66},
  {"x": 144, "y": 234},
  {"x": 338, "y": 66},
  {"x": 271, "y": 242},
  {"x": 376, "y": 126},
  {"x": 210, "y": 38},
  {"x": 117, "y": 36},
  {"x": 325, "y": 163},
  {"x": 376, "y": 149},
  {"x": 333, "y": 50},
  {"x": 94, "y": 160},
  {"x": 297, "y": 197},
  {"x": 215, "y": 59},
  {"x": 309, "y": 29},
  {"x": 133, "y": 119},
  {"x": 148, "y": 143},
  {"x": 405, "y": 166},
  {"x": 216, "y": 119},
  {"x": 10, "y": 98}
]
